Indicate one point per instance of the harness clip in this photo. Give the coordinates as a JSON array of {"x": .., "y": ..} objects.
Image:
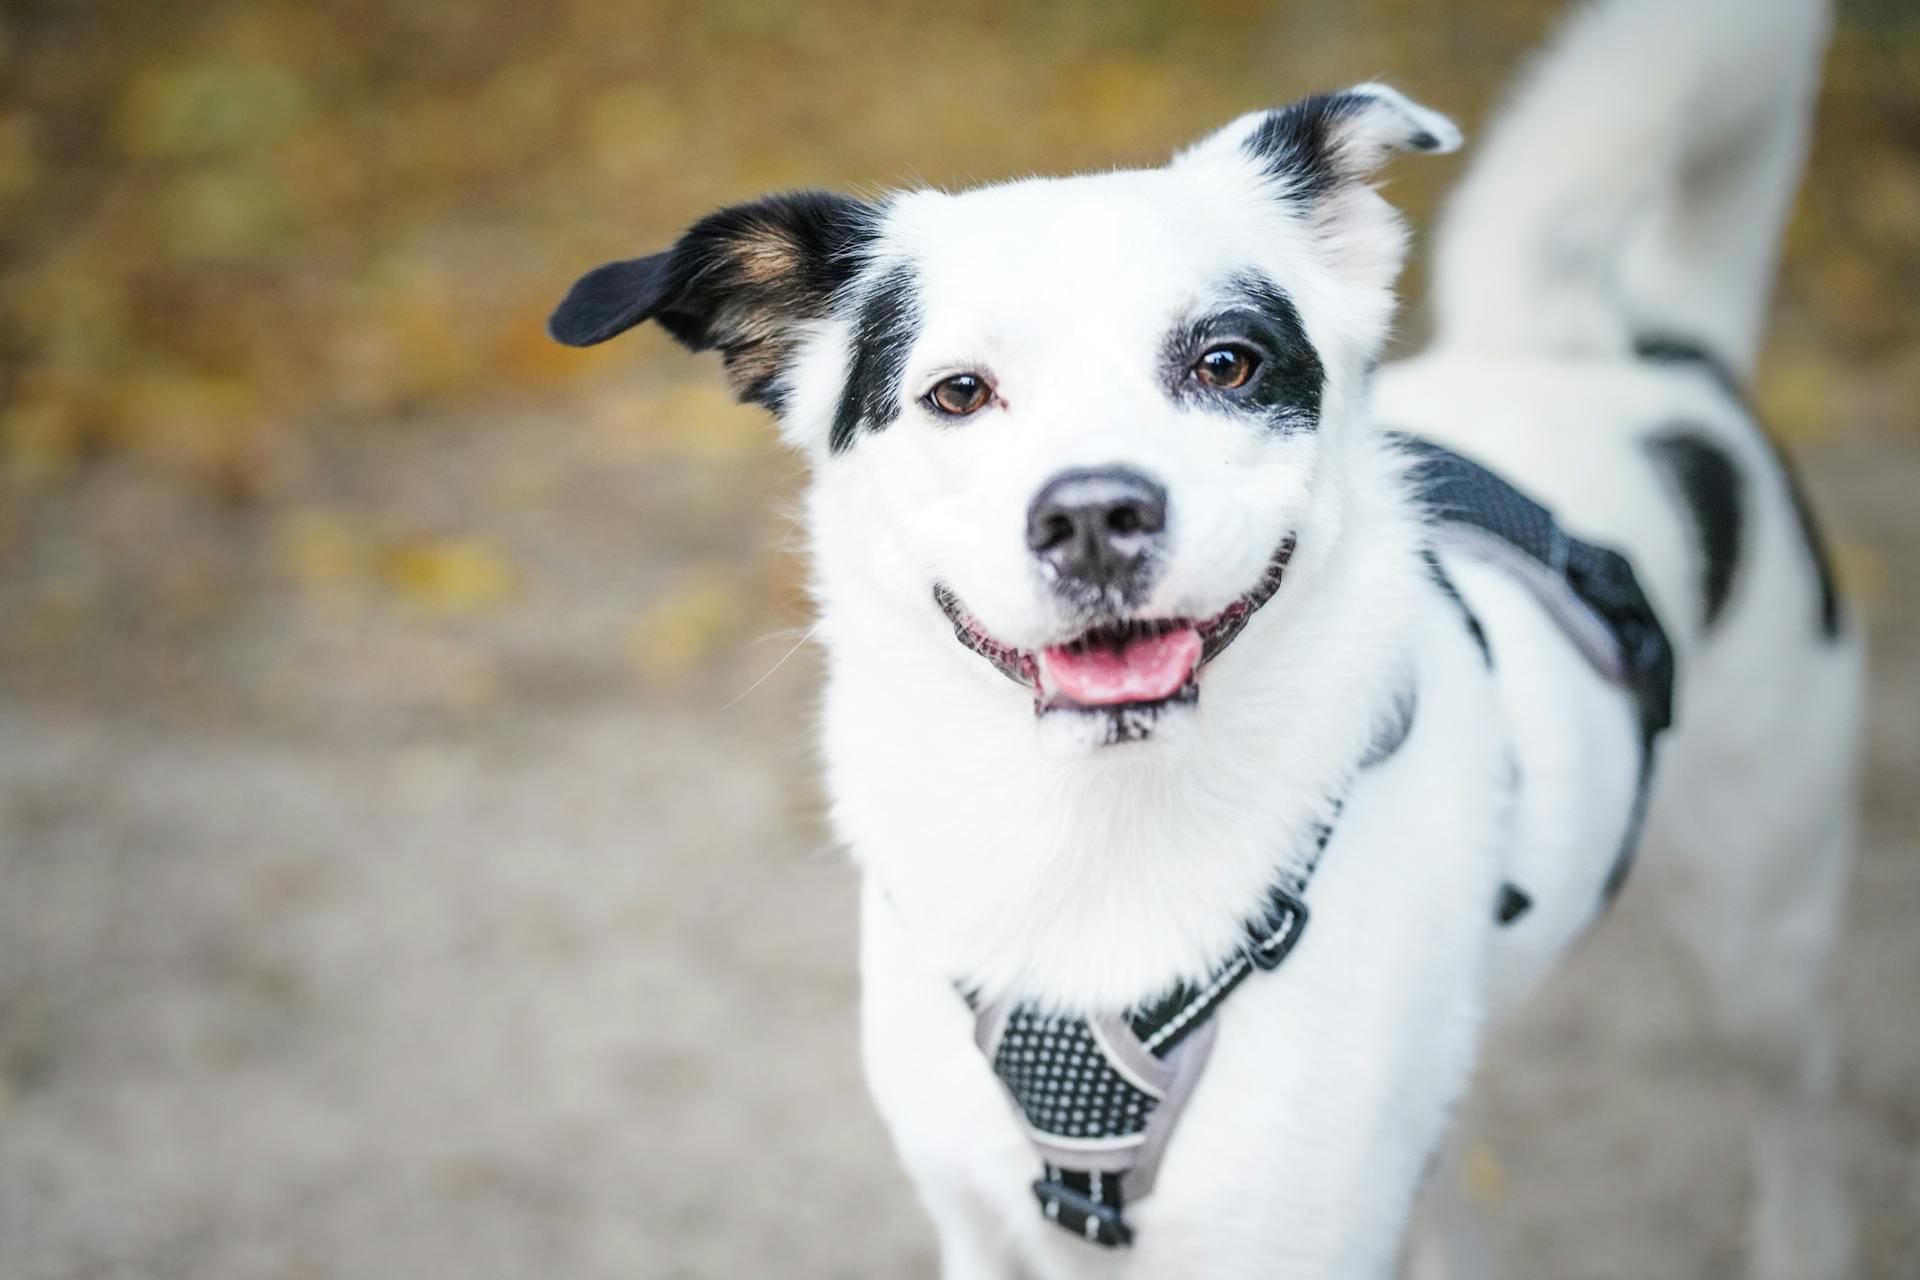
[
  {"x": 1274, "y": 938},
  {"x": 1087, "y": 1218}
]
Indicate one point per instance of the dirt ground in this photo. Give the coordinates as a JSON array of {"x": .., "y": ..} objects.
[{"x": 348, "y": 933}]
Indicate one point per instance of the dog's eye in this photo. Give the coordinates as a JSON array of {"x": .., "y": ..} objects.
[
  {"x": 960, "y": 395},
  {"x": 1226, "y": 367}
]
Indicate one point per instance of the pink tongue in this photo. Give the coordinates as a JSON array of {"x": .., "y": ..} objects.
[{"x": 1148, "y": 669}]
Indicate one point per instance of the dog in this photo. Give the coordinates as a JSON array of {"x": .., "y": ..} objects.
[{"x": 1170, "y": 637}]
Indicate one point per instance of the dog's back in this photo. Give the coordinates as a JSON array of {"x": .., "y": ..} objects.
[{"x": 1600, "y": 288}]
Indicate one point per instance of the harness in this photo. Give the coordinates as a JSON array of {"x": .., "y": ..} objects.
[{"x": 1099, "y": 1097}]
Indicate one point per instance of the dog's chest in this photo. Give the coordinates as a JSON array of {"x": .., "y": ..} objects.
[{"x": 1310, "y": 1062}]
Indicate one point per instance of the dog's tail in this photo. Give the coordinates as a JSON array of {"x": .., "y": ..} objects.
[{"x": 1637, "y": 184}]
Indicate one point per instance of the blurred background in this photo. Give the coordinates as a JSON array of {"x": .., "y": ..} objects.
[{"x": 405, "y": 868}]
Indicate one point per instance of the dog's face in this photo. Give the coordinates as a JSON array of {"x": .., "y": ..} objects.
[{"x": 1075, "y": 425}]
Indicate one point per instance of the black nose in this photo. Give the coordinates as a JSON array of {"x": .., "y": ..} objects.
[{"x": 1097, "y": 529}]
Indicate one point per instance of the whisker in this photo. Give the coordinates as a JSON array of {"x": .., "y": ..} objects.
[{"x": 797, "y": 644}]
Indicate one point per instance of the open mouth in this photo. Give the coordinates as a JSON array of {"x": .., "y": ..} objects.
[{"x": 1124, "y": 665}]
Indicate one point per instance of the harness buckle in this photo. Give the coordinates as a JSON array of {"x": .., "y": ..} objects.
[
  {"x": 1079, "y": 1213},
  {"x": 1271, "y": 940}
]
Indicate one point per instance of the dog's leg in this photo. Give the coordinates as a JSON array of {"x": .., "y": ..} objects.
[
  {"x": 972, "y": 1245},
  {"x": 1759, "y": 911},
  {"x": 949, "y": 1117}
]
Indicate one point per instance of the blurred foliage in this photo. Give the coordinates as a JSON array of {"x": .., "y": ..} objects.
[
  {"x": 681, "y": 628},
  {"x": 226, "y": 226}
]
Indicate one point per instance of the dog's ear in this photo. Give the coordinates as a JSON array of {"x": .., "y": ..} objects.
[
  {"x": 739, "y": 281},
  {"x": 1320, "y": 144},
  {"x": 1317, "y": 157}
]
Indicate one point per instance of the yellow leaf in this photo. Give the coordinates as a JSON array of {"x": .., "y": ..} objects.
[
  {"x": 683, "y": 628},
  {"x": 1481, "y": 1176},
  {"x": 450, "y": 575}
]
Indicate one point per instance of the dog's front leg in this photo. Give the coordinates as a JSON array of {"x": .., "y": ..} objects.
[
  {"x": 951, "y": 1122},
  {"x": 972, "y": 1245}
]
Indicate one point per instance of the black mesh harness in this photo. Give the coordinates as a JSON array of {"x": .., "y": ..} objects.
[
  {"x": 1588, "y": 589},
  {"x": 1099, "y": 1096}
]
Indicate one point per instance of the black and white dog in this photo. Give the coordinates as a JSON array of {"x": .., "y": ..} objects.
[{"x": 1160, "y": 620}]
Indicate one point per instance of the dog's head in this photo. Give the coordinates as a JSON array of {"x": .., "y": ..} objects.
[{"x": 1079, "y": 425}]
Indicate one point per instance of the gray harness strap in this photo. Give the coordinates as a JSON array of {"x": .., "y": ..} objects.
[{"x": 1589, "y": 590}]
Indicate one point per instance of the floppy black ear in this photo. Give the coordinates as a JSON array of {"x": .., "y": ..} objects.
[
  {"x": 738, "y": 281},
  {"x": 610, "y": 300}
]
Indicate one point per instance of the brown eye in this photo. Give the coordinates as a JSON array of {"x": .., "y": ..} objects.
[
  {"x": 960, "y": 395},
  {"x": 1225, "y": 368}
]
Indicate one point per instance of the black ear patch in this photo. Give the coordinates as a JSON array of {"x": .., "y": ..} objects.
[
  {"x": 1321, "y": 142},
  {"x": 738, "y": 281},
  {"x": 1297, "y": 143}
]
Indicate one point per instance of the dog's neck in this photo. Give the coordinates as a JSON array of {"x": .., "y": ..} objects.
[{"x": 1094, "y": 881}]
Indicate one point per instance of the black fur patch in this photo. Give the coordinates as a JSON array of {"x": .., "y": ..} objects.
[
  {"x": 1710, "y": 484},
  {"x": 1478, "y": 633},
  {"x": 1295, "y": 144},
  {"x": 883, "y": 333},
  {"x": 1661, "y": 348},
  {"x": 1667, "y": 349},
  {"x": 738, "y": 281},
  {"x": 1285, "y": 388},
  {"x": 1514, "y": 902}
]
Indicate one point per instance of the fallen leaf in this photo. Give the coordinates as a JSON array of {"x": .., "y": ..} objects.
[
  {"x": 1481, "y": 1176},
  {"x": 684, "y": 627},
  {"x": 450, "y": 575}
]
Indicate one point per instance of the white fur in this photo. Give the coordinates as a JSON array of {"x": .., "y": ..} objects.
[
  {"x": 1011, "y": 855},
  {"x": 1638, "y": 181}
]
